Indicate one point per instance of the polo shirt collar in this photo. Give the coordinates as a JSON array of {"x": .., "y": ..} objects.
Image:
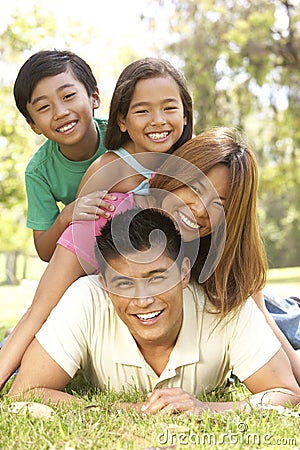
[{"x": 186, "y": 350}]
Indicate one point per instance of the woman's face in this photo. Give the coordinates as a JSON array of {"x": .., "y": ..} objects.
[{"x": 198, "y": 206}]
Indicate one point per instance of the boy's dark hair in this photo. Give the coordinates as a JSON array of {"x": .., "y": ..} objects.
[
  {"x": 138, "y": 230},
  {"x": 47, "y": 63},
  {"x": 143, "y": 69}
]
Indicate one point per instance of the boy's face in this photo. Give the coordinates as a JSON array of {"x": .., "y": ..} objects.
[
  {"x": 62, "y": 110},
  {"x": 147, "y": 296}
]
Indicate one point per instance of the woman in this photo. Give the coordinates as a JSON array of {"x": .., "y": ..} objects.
[{"x": 227, "y": 190}]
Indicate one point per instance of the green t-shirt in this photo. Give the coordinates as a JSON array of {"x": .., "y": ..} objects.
[{"x": 51, "y": 178}]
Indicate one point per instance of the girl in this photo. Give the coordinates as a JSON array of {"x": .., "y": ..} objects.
[
  {"x": 150, "y": 112},
  {"x": 229, "y": 165}
]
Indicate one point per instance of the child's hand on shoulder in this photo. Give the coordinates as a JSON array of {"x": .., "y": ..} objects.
[{"x": 91, "y": 206}]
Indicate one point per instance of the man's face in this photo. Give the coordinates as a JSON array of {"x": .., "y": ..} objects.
[{"x": 147, "y": 295}]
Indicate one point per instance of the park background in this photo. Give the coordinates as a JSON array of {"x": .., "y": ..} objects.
[
  {"x": 242, "y": 63},
  {"x": 241, "y": 59}
]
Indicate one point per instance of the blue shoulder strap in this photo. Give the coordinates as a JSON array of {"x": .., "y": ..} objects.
[{"x": 132, "y": 162}]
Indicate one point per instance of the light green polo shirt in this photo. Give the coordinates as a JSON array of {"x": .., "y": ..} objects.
[{"x": 84, "y": 332}]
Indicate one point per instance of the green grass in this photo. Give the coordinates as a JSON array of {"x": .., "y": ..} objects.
[
  {"x": 82, "y": 427},
  {"x": 96, "y": 424},
  {"x": 285, "y": 281}
]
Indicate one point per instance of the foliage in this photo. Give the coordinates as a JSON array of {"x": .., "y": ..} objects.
[
  {"x": 17, "y": 142},
  {"x": 242, "y": 63},
  {"x": 241, "y": 60},
  {"x": 31, "y": 27}
]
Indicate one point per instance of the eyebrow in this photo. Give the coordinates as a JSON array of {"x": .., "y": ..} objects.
[
  {"x": 60, "y": 88},
  {"x": 146, "y": 275},
  {"x": 165, "y": 100}
]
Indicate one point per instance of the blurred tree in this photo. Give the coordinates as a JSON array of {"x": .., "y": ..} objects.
[
  {"x": 32, "y": 27},
  {"x": 17, "y": 142},
  {"x": 242, "y": 62}
]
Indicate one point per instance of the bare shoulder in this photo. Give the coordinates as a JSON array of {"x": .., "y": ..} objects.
[
  {"x": 102, "y": 161},
  {"x": 95, "y": 168}
]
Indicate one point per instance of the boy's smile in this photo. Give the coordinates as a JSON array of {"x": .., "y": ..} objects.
[{"x": 63, "y": 112}]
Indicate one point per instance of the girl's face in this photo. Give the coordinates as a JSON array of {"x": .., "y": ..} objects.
[
  {"x": 198, "y": 207},
  {"x": 155, "y": 118}
]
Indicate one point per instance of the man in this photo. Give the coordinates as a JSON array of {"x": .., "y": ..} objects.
[{"x": 148, "y": 328}]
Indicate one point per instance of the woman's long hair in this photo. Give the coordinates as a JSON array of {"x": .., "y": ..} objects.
[{"x": 241, "y": 268}]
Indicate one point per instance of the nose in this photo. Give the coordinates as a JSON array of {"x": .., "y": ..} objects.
[
  {"x": 143, "y": 302},
  {"x": 142, "y": 297},
  {"x": 199, "y": 209},
  {"x": 158, "y": 119},
  {"x": 60, "y": 110}
]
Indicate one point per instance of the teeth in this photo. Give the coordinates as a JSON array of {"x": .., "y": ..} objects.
[
  {"x": 156, "y": 136},
  {"x": 148, "y": 315},
  {"x": 66, "y": 127},
  {"x": 187, "y": 221}
]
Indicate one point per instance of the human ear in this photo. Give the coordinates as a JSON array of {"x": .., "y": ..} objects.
[
  {"x": 185, "y": 272},
  {"x": 102, "y": 281},
  {"x": 121, "y": 123},
  {"x": 96, "y": 99}
]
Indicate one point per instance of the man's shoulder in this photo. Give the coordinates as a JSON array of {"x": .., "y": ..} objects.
[
  {"x": 89, "y": 282},
  {"x": 88, "y": 287},
  {"x": 41, "y": 157}
]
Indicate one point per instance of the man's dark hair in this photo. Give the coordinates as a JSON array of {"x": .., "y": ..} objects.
[
  {"x": 138, "y": 230},
  {"x": 47, "y": 63}
]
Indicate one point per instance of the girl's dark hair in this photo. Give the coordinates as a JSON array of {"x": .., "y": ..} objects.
[
  {"x": 47, "y": 63},
  {"x": 140, "y": 70}
]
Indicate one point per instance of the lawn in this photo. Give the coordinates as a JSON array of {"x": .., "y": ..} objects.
[{"x": 96, "y": 424}]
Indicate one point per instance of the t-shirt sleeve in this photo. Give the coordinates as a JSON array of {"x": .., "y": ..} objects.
[
  {"x": 65, "y": 336},
  {"x": 42, "y": 207},
  {"x": 252, "y": 342},
  {"x": 79, "y": 238}
]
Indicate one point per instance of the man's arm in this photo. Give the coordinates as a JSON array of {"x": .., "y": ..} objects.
[
  {"x": 40, "y": 374},
  {"x": 273, "y": 384}
]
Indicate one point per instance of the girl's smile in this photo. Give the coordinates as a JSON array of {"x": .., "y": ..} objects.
[{"x": 155, "y": 118}]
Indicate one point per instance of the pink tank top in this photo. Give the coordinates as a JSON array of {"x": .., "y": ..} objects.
[{"x": 79, "y": 237}]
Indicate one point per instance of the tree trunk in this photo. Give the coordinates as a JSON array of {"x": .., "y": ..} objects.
[{"x": 11, "y": 267}]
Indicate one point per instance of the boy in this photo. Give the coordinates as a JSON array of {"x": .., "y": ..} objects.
[{"x": 57, "y": 93}]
